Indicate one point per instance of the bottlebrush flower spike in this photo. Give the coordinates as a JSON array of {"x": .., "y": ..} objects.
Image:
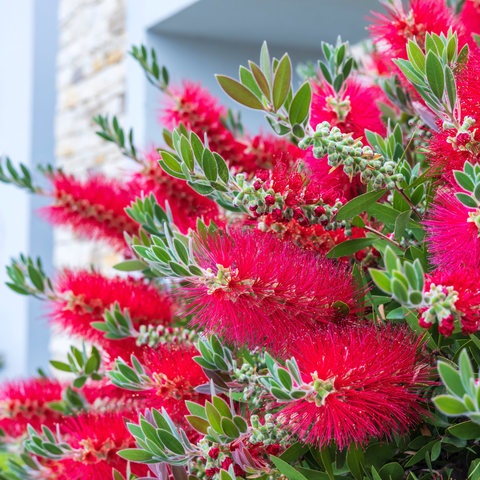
[
  {"x": 185, "y": 204},
  {"x": 392, "y": 31},
  {"x": 449, "y": 148},
  {"x": 261, "y": 291},
  {"x": 356, "y": 112},
  {"x": 24, "y": 402},
  {"x": 176, "y": 375},
  {"x": 93, "y": 208},
  {"x": 452, "y": 233},
  {"x": 96, "y": 438},
  {"x": 83, "y": 297},
  {"x": 461, "y": 289},
  {"x": 470, "y": 19},
  {"x": 365, "y": 382}
]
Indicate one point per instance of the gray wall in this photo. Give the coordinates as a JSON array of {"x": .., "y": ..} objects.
[{"x": 28, "y": 44}]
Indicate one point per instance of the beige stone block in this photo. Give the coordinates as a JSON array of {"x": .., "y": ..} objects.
[
  {"x": 114, "y": 57},
  {"x": 64, "y": 150}
]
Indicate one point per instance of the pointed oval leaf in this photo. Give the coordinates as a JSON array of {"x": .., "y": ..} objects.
[
  {"x": 282, "y": 81},
  {"x": 435, "y": 75},
  {"x": 449, "y": 405},
  {"x": 301, "y": 104},
  {"x": 229, "y": 428},
  {"x": 209, "y": 165},
  {"x": 239, "y": 93},
  {"x": 199, "y": 424},
  {"x": 261, "y": 80}
]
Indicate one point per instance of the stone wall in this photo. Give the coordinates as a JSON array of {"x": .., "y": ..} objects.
[{"x": 91, "y": 69}]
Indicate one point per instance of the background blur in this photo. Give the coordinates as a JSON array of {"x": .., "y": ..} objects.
[{"x": 64, "y": 61}]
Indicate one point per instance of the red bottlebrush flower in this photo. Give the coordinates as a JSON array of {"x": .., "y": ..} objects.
[
  {"x": 462, "y": 290},
  {"x": 265, "y": 151},
  {"x": 360, "y": 111},
  {"x": 176, "y": 376},
  {"x": 447, "y": 150},
  {"x": 452, "y": 233},
  {"x": 96, "y": 438},
  {"x": 470, "y": 19},
  {"x": 211, "y": 472},
  {"x": 262, "y": 291},
  {"x": 93, "y": 208},
  {"x": 394, "y": 29},
  {"x": 24, "y": 402},
  {"x": 364, "y": 383},
  {"x": 186, "y": 204},
  {"x": 83, "y": 297}
]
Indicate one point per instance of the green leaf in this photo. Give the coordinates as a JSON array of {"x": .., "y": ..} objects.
[
  {"x": 247, "y": 79},
  {"x": 179, "y": 269},
  {"x": 286, "y": 469},
  {"x": 464, "y": 180},
  {"x": 293, "y": 452},
  {"x": 465, "y": 430},
  {"x": 300, "y": 104},
  {"x": 171, "y": 162},
  {"x": 451, "y": 87},
  {"x": 350, "y": 247},
  {"x": 355, "y": 461},
  {"x": 280, "y": 394},
  {"x": 282, "y": 81},
  {"x": 187, "y": 153},
  {"x": 238, "y": 92},
  {"x": 240, "y": 423},
  {"x": 285, "y": 378},
  {"x": 265, "y": 63},
  {"x": 416, "y": 56},
  {"x": 64, "y": 367},
  {"x": 79, "y": 382},
  {"x": 358, "y": 205},
  {"x": 260, "y": 80},
  {"x": 229, "y": 428},
  {"x": 222, "y": 168},
  {"x": 466, "y": 200},
  {"x": 130, "y": 266},
  {"x": 451, "y": 378},
  {"x": 214, "y": 417},
  {"x": 449, "y": 405},
  {"x": 466, "y": 369},
  {"x": 391, "y": 471},
  {"x": 200, "y": 188},
  {"x": 197, "y": 147},
  {"x": 435, "y": 75},
  {"x": 196, "y": 409},
  {"x": 199, "y": 424},
  {"x": 401, "y": 224},
  {"x": 420, "y": 455},
  {"x": 36, "y": 278},
  {"x": 209, "y": 165},
  {"x": 170, "y": 442},
  {"x": 135, "y": 455},
  {"x": 399, "y": 290},
  {"x": 222, "y": 406},
  {"x": 381, "y": 280},
  {"x": 91, "y": 365}
]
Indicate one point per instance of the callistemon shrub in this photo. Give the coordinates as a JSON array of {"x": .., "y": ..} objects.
[{"x": 301, "y": 303}]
